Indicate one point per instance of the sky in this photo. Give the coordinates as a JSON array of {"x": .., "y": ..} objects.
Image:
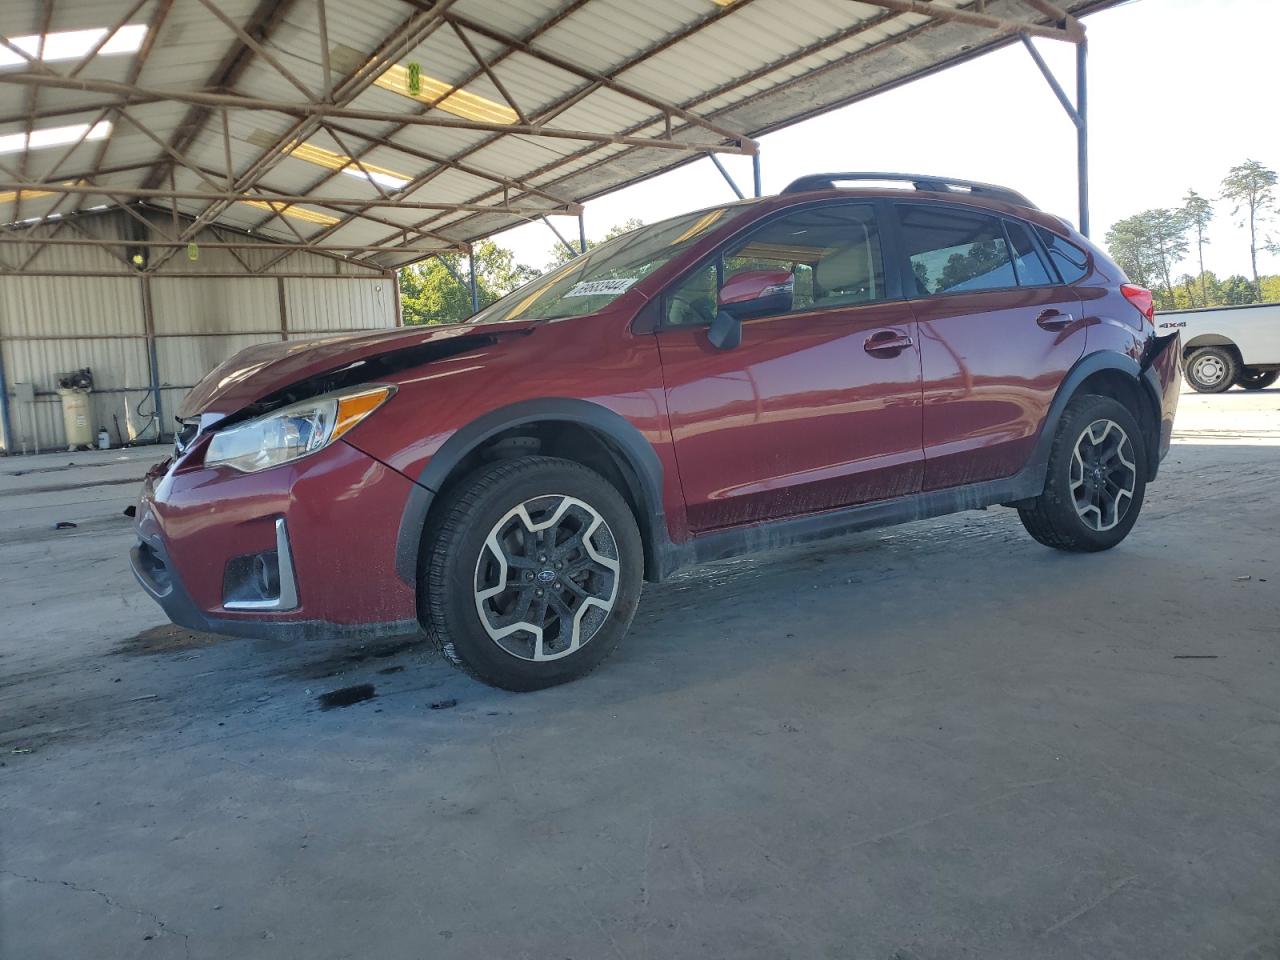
[{"x": 1179, "y": 92}]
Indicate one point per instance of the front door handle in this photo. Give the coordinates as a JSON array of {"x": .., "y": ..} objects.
[
  {"x": 887, "y": 343},
  {"x": 1054, "y": 320}
]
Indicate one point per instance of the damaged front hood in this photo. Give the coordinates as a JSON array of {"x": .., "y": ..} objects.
[{"x": 259, "y": 372}]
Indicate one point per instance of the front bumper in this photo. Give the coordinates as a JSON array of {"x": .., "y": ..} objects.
[{"x": 328, "y": 520}]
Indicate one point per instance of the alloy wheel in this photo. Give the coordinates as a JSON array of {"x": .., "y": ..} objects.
[
  {"x": 1104, "y": 475},
  {"x": 547, "y": 577}
]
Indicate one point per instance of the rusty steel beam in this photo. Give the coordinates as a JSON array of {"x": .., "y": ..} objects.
[
  {"x": 712, "y": 16},
  {"x": 12, "y": 241},
  {"x": 253, "y": 44},
  {"x": 1072, "y": 33},
  {"x": 626, "y": 90},
  {"x": 409, "y": 34},
  {"x": 813, "y": 48},
  {"x": 233, "y": 63},
  {"x": 385, "y": 139},
  {"x": 318, "y": 112},
  {"x": 288, "y": 199},
  {"x": 33, "y": 94}
]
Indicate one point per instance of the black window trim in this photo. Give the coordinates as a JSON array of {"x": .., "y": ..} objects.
[
  {"x": 887, "y": 226},
  {"x": 1055, "y": 276},
  {"x": 1088, "y": 255}
]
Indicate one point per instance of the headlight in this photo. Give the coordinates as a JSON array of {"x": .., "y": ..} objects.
[{"x": 293, "y": 431}]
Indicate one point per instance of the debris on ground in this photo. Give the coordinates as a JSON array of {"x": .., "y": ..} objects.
[
  {"x": 131, "y": 510},
  {"x": 1243, "y": 579},
  {"x": 1195, "y": 656},
  {"x": 398, "y": 668},
  {"x": 346, "y": 696},
  {"x": 64, "y": 525},
  {"x": 444, "y": 704}
]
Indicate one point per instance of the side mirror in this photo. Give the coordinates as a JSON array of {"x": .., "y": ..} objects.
[
  {"x": 725, "y": 332},
  {"x": 756, "y": 293}
]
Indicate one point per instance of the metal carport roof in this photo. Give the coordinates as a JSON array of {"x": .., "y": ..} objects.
[{"x": 381, "y": 132}]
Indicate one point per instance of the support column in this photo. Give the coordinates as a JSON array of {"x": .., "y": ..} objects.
[
  {"x": 149, "y": 327},
  {"x": 1082, "y": 131},
  {"x": 394, "y": 276},
  {"x": 755, "y": 172},
  {"x": 6, "y": 436},
  {"x": 733, "y": 185},
  {"x": 1078, "y": 112},
  {"x": 284, "y": 309},
  {"x": 582, "y": 234},
  {"x": 473, "y": 281}
]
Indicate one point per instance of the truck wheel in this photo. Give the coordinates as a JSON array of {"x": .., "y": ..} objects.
[
  {"x": 533, "y": 572},
  {"x": 1096, "y": 478},
  {"x": 1212, "y": 369},
  {"x": 1251, "y": 378}
]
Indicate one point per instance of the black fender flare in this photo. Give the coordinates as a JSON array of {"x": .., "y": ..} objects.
[
  {"x": 1085, "y": 367},
  {"x": 644, "y": 473}
]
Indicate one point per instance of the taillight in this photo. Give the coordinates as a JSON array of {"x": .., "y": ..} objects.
[{"x": 1141, "y": 298}]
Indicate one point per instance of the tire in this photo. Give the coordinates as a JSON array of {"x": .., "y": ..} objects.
[
  {"x": 1072, "y": 514},
  {"x": 473, "y": 600},
  {"x": 1212, "y": 369},
  {"x": 1250, "y": 378}
]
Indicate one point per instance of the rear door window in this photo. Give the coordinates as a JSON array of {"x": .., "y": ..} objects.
[
  {"x": 1071, "y": 262},
  {"x": 1030, "y": 267},
  {"x": 955, "y": 251}
]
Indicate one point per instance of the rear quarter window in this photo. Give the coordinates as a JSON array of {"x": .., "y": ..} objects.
[{"x": 1071, "y": 262}]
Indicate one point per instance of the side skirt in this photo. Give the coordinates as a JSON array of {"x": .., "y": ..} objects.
[{"x": 760, "y": 537}]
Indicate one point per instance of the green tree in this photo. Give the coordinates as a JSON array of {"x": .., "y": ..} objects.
[
  {"x": 1130, "y": 246},
  {"x": 1238, "y": 290},
  {"x": 1251, "y": 186},
  {"x": 1271, "y": 289},
  {"x": 1198, "y": 213},
  {"x": 430, "y": 293},
  {"x": 560, "y": 253},
  {"x": 1148, "y": 245}
]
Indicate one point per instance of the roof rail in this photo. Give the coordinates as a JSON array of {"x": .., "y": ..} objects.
[{"x": 829, "y": 181}]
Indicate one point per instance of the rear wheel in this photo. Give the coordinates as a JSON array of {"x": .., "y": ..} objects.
[
  {"x": 534, "y": 572},
  {"x": 1096, "y": 478},
  {"x": 1212, "y": 369},
  {"x": 1251, "y": 378}
]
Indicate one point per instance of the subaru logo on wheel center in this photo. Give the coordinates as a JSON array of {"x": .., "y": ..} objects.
[{"x": 546, "y": 576}]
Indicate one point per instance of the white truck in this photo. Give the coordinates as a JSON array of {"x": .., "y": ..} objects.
[{"x": 1224, "y": 347}]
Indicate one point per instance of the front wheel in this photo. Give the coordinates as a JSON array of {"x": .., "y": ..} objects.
[
  {"x": 1250, "y": 378},
  {"x": 1095, "y": 481},
  {"x": 533, "y": 572}
]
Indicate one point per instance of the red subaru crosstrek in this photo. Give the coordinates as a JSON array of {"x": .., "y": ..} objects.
[{"x": 757, "y": 374}]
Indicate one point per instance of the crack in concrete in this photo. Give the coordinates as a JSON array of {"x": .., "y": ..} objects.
[{"x": 115, "y": 904}]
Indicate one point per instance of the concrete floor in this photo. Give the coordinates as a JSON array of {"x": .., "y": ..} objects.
[{"x": 933, "y": 741}]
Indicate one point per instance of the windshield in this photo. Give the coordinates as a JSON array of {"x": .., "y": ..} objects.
[{"x": 601, "y": 275}]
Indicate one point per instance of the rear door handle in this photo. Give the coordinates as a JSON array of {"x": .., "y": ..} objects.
[
  {"x": 1054, "y": 320},
  {"x": 887, "y": 343}
]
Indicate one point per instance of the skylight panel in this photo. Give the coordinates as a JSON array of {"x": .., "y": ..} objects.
[
  {"x": 54, "y": 136},
  {"x": 74, "y": 44}
]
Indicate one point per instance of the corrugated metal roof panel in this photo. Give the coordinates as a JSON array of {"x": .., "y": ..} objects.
[{"x": 750, "y": 67}]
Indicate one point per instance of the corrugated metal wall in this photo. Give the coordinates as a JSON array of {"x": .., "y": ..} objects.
[{"x": 56, "y": 317}]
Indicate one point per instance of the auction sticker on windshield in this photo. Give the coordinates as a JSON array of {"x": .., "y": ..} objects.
[{"x": 601, "y": 288}]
